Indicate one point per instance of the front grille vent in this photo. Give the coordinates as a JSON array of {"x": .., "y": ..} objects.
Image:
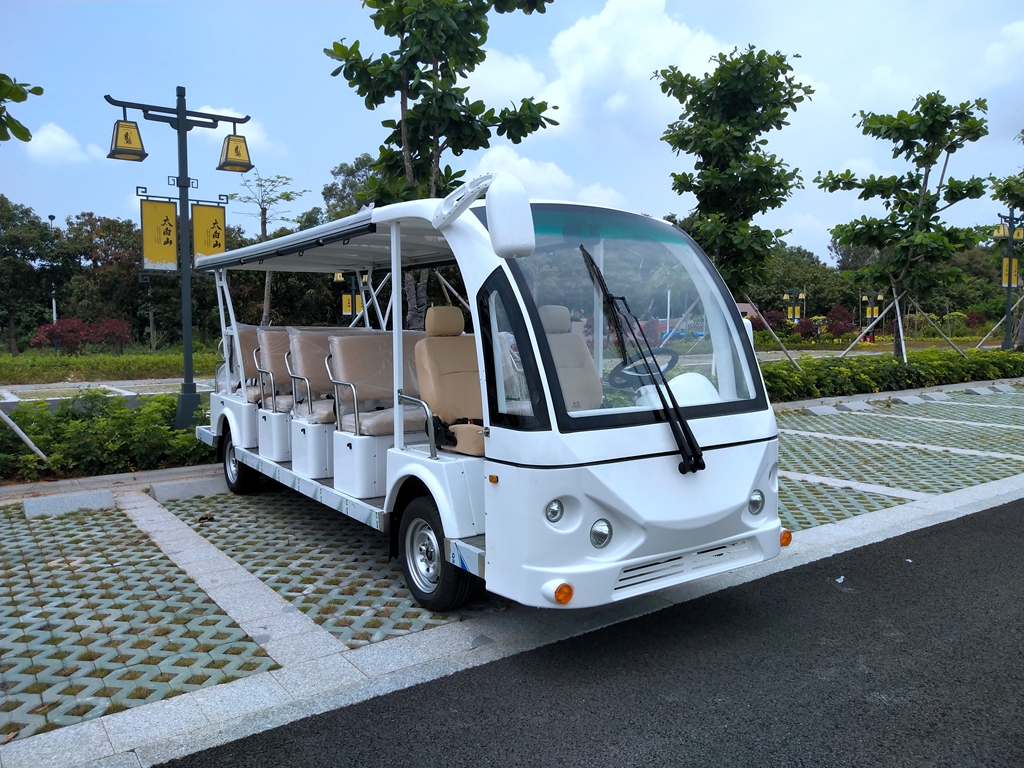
[{"x": 686, "y": 562}]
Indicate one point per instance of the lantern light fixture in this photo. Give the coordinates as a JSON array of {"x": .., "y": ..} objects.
[{"x": 234, "y": 154}]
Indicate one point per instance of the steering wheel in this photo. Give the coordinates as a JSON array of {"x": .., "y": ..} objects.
[{"x": 633, "y": 373}]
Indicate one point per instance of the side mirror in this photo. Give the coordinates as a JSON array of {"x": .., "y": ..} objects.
[{"x": 509, "y": 218}]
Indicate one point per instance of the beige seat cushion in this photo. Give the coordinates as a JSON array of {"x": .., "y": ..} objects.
[
  {"x": 576, "y": 370},
  {"x": 382, "y": 422},
  {"x": 449, "y": 376},
  {"x": 323, "y": 412}
]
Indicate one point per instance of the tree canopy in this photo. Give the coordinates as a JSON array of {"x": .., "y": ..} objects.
[
  {"x": 724, "y": 117},
  {"x": 913, "y": 243},
  {"x": 439, "y": 42}
]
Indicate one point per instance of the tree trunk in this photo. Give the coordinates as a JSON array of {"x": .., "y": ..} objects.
[
  {"x": 152, "y": 333},
  {"x": 265, "y": 320},
  {"x": 415, "y": 299},
  {"x": 12, "y": 336}
]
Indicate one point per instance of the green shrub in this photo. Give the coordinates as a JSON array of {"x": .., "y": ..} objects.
[
  {"x": 46, "y": 368},
  {"x": 831, "y": 376},
  {"x": 97, "y": 435}
]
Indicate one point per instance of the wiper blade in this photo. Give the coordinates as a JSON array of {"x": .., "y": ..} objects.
[{"x": 689, "y": 449}]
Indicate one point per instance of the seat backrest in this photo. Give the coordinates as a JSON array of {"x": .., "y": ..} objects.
[
  {"x": 446, "y": 367},
  {"x": 273, "y": 341},
  {"x": 310, "y": 347},
  {"x": 367, "y": 361},
  {"x": 576, "y": 370}
]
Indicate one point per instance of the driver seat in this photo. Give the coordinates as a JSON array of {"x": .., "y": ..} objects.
[{"x": 577, "y": 372}]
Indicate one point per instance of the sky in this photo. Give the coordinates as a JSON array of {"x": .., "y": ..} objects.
[{"x": 594, "y": 59}]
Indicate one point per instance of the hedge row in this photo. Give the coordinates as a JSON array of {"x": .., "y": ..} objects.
[
  {"x": 40, "y": 369},
  {"x": 831, "y": 376},
  {"x": 98, "y": 435}
]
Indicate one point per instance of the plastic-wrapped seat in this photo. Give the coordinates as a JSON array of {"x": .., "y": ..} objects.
[
  {"x": 449, "y": 378},
  {"x": 574, "y": 365},
  {"x": 275, "y": 383},
  {"x": 362, "y": 371}
]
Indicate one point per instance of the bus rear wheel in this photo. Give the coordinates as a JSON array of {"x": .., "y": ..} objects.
[
  {"x": 240, "y": 478},
  {"x": 436, "y": 584}
]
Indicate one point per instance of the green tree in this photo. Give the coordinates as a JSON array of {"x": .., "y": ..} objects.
[
  {"x": 1010, "y": 192},
  {"x": 266, "y": 193},
  {"x": 351, "y": 180},
  {"x": 914, "y": 244},
  {"x": 439, "y": 42},
  {"x": 724, "y": 117},
  {"x": 13, "y": 91},
  {"x": 29, "y": 267}
]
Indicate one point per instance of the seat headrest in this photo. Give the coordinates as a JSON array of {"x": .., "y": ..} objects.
[
  {"x": 444, "y": 321},
  {"x": 554, "y": 318}
]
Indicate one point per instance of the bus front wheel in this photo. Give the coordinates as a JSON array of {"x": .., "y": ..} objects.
[
  {"x": 436, "y": 584},
  {"x": 240, "y": 478}
]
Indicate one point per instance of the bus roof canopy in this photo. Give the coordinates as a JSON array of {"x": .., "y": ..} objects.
[{"x": 345, "y": 245}]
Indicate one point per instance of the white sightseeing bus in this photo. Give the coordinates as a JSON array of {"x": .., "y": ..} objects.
[{"x": 541, "y": 436}]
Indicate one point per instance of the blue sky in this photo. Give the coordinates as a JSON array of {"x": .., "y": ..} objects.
[{"x": 593, "y": 59}]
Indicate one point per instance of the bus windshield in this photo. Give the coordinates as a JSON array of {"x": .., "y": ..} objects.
[{"x": 686, "y": 324}]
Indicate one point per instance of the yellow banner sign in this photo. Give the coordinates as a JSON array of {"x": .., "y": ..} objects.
[
  {"x": 159, "y": 235},
  {"x": 208, "y": 229},
  {"x": 1007, "y": 279}
]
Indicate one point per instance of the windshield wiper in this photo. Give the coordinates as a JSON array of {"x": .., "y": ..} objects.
[{"x": 689, "y": 450}]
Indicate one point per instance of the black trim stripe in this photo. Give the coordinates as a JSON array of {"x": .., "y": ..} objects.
[{"x": 627, "y": 458}]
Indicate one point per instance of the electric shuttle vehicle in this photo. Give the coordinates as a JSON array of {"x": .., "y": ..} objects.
[{"x": 548, "y": 431}]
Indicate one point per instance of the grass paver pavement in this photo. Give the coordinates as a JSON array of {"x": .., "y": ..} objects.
[{"x": 95, "y": 619}]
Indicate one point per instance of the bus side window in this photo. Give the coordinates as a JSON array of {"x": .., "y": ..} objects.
[{"x": 513, "y": 387}]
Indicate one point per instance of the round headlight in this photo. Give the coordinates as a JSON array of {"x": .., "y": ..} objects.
[
  {"x": 601, "y": 533},
  {"x": 554, "y": 511},
  {"x": 756, "y": 502}
]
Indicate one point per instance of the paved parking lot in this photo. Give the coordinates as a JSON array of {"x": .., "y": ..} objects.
[{"x": 120, "y": 627}]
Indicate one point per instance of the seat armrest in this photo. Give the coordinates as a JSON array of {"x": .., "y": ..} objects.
[{"x": 430, "y": 419}]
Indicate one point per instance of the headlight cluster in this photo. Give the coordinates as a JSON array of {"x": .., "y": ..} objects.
[{"x": 600, "y": 531}]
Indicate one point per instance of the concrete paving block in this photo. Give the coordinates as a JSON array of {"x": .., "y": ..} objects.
[
  {"x": 934, "y": 397},
  {"x": 240, "y": 697},
  {"x": 821, "y": 410},
  {"x": 65, "y": 746},
  {"x": 186, "y": 489},
  {"x": 153, "y": 722},
  {"x": 62, "y": 503},
  {"x": 278, "y": 626},
  {"x": 908, "y": 399},
  {"x": 1005, "y": 388},
  {"x": 386, "y": 657},
  {"x": 854, "y": 405},
  {"x": 309, "y": 678},
  {"x": 979, "y": 391},
  {"x": 309, "y": 645}
]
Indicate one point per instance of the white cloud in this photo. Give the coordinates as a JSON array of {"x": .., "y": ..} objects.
[
  {"x": 616, "y": 52},
  {"x": 545, "y": 180},
  {"x": 598, "y": 194},
  {"x": 52, "y": 145},
  {"x": 503, "y": 80},
  {"x": 1004, "y": 56},
  {"x": 542, "y": 179}
]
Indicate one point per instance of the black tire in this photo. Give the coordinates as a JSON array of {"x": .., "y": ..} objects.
[
  {"x": 241, "y": 479},
  {"x": 436, "y": 584}
]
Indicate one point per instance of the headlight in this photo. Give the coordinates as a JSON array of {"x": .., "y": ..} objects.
[
  {"x": 554, "y": 511},
  {"x": 756, "y": 502},
  {"x": 601, "y": 533}
]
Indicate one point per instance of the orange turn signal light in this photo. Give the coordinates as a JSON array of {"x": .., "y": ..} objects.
[
  {"x": 563, "y": 593},
  {"x": 492, "y": 478},
  {"x": 785, "y": 538}
]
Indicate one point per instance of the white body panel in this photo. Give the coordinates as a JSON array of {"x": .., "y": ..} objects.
[
  {"x": 275, "y": 435},
  {"x": 455, "y": 481},
  {"x": 312, "y": 449},
  {"x": 240, "y": 415}
]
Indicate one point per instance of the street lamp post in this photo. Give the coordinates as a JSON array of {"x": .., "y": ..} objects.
[
  {"x": 1009, "y": 233},
  {"x": 182, "y": 121}
]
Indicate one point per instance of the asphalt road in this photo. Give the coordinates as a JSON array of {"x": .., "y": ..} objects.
[{"x": 909, "y": 652}]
